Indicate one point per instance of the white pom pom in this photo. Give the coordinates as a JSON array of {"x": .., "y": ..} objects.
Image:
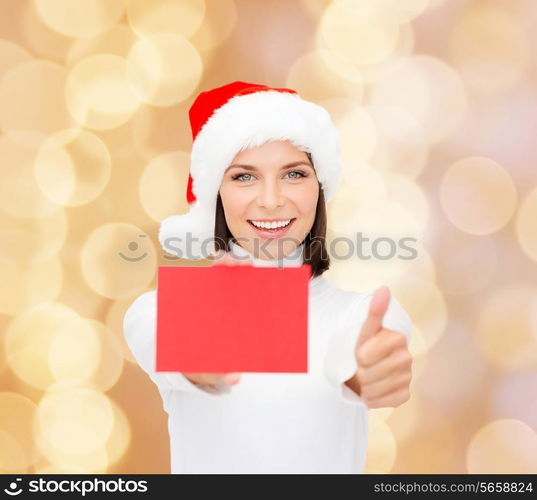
[{"x": 191, "y": 235}]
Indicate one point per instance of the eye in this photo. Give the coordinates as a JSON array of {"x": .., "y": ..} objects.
[
  {"x": 239, "y": 176},
  {"x": 300, "y": 174}
]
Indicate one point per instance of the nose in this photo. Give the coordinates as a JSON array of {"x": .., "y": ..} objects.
[{"x": 270, "y": 195}]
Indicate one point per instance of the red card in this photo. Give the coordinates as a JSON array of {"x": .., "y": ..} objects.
[{"x": 222, "y": 319}]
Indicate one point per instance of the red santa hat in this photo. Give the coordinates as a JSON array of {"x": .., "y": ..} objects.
[{"x": 229, "y": 119}]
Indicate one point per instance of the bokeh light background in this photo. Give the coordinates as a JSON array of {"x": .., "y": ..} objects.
[{"x": 436, "y": 102}]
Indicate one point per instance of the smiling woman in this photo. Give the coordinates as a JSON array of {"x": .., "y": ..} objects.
[
  {"x": 263, "y": 162},
  {"x": 228, "y": 123}
]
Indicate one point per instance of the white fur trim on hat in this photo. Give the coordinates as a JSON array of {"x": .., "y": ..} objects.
[
  {"x": 243, "y": 122},
  {"x": 191, "y": 235}
]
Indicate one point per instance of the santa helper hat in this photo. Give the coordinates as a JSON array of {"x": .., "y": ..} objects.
[{"x": 227, "y": 120}]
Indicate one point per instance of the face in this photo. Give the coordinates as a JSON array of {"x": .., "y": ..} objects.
[{"x": 271, "y": 185}]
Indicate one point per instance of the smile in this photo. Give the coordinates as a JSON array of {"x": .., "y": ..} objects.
[
  {"x": 271, "y": 224},
  {"x": 272, "y": 229}
]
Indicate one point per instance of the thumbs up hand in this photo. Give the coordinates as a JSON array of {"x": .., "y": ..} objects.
[{"x": 384, "y": 361}]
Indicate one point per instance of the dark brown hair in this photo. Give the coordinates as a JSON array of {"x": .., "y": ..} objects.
[{"x": 315, "y": 252}]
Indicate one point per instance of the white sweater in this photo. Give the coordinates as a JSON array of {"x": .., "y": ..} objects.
[{"x": 271, "y": 422}]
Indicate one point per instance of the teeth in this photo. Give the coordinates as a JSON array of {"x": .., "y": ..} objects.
[{"x": 271, "y": 225}]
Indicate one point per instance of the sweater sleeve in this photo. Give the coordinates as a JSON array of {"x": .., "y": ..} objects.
[
  {"x": 140, "y": 328},
  {"x": 340, "y": 361}
]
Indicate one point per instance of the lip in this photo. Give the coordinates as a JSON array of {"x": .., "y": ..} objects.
[{"x": 272, "y": 235}]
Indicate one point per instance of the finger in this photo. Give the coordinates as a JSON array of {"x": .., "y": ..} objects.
[
  {"x": 213, "y": 378},
  {"x": 203, "y": 378},
  {"x": 397, "y": 361},
  {"x": 231, "y": 378},
  {"x": 392, "y": 383},
  {"x": 377, "y": 310},
  {"x": 391, "y": 400},
  {"x": 379, "y": 347}
]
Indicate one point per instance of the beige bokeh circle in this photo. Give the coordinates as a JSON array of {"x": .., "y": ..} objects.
[
  {"x": 478, "y": 195},
  {"x": 118, "y": 260},
  {"x": 74, "y": 353},
  {"x": 218, "y": 24},
  {"x": 382, "y": 447},
  {"x": 13, "y": 459},
  {"x": 27, "y": 284},
  {"x": 98, "y": 94},
  {"x": 81, "y": 19},
  {"x": 456, "y": 253},
  {"x": 110, "y": 365},
  {"x": 362, "y": 34},
  {"x": 20, "y": 195},
  {"x": 424, "y": 302},
  {"x": 401, "y": 142},
  {"x": 409, "y": 10},
  {"x": 73, "y": 421},
  {"x": 98, "y": 460},
  {"x": 29, "y": 338},
  {"x": 506, "y": 446},
  {"x": 73, "y": 167},
  {"x": 114, "y": 322},
  {"x": 17, "y": 449},
  {"x": 316, "y": 80},
  {"x": 32, "y": 98},
  {"x": 407, "y": 193},
  {"x": 358, "y": 136},
  {"x": 11, "y": 55},
  {"x": 402, "y": 12},
  {"x": 155, "y": 73},
  {"x": 43, "y": 41},
  {"x": 116, "y": 41},
  {"x": 163, "y": 185},
  {"x": 526, "y": 225},
  {"x": 427, "y": 88},
  {"x": 506, "y": 329},
  {"x": 120, "y": 437},
  {"x": 371, "y": 72},
  {"x": 147, "y": 17},
  {"x": 23, "y": 241},
  {"x": 489, "y": 48}
]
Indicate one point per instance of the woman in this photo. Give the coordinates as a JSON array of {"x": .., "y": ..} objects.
[{"x": 263, "y": 163}]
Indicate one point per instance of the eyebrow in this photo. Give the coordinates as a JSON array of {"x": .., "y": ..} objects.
[{"x": 285, "y": 167}]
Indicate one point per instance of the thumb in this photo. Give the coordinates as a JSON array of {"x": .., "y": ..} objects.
[{"x": 377, "y": 310}]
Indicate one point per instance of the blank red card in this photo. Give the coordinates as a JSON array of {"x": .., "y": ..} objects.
[{"x": 222, "y": 319}]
